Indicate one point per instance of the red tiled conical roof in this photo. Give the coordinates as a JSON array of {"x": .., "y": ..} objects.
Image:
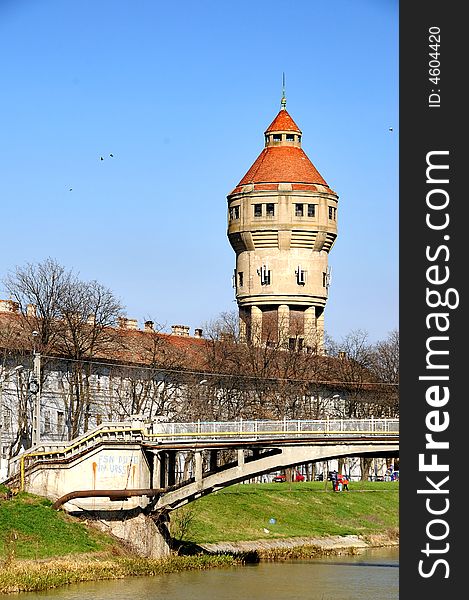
[
  {"x": 283, "y": 122},
  {"x": 282, "y": 164}
]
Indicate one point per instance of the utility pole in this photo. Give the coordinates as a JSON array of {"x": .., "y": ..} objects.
[{"x": 35, "y": 390}]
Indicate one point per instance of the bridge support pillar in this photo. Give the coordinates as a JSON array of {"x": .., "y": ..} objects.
[
  {"x": 148, "y": 537},
  {"x": 198, "y": 465},
  {"x": 158, "y": 470},
  {"x": 240, "y": 458}
]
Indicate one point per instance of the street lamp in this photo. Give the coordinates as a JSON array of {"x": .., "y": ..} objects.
[{"x": 5, "y": 377}]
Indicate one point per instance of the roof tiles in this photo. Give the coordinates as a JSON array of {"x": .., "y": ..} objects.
[
  {"x": 283, "y": 122},
  {"x": 287, "y": 164}
]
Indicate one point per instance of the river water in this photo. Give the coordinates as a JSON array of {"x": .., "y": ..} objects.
[{"x": 371, "y": 575}]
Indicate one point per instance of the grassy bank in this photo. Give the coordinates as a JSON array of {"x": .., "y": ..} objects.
[
  {"x": 282, "y": 510},
  {"x": 41, "y": 548},
  {"x": 29, "y": 529}
]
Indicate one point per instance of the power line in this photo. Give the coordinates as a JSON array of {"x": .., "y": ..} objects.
[{"x": 156, "y": 369}]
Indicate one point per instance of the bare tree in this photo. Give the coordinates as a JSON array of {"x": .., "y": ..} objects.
[
  {"x": 38, "y": 289},
  {"x": 74, "y": 318},
  {"x": 154, "y": 388}
]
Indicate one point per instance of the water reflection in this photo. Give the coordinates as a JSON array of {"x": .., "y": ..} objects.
[{"x": 368, "y": 576}]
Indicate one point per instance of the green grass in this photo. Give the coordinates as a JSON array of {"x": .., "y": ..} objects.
[
  {"x": 307, "y": 509},
  {"x": 30, "y": 529}
]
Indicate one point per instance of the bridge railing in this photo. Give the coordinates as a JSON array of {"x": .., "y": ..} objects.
[
  {"x": 117, "y": 432},
  {"x": 274, "y": 429},
  {"x": 161, "y": 432}
]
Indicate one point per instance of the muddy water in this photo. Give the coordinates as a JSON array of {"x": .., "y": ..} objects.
[{"x": 372, "y": 575}]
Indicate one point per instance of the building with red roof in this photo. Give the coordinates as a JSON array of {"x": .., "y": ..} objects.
[{"x": 282, "y": 223}]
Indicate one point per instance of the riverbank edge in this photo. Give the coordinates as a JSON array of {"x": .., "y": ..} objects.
[
  {"x": 300, "y": 547},
  {"x": 44, "y": 574},
  {"x": 40, "y": 575}
]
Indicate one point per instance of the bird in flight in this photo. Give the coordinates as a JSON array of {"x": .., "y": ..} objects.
[
  {"x": 101, "y": 158},
  {"x": 111, "y": 155}
]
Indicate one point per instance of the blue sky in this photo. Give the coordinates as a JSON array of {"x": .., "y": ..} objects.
[{"x": 181, "y": 93}]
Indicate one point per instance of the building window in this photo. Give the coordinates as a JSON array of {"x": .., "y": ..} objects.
[
  {"x": 6, "y": 419},
  {"x": 298, "y": 210},
  {"x": 277, "y": 137},
  {"x": 47, "y": 421},
  {"x": 332, "y": 212},
  {"x": 290, "y": 137},
  {"x": 240, "y": 279},
  {"x": 270, "y": 209},
  {"x": 60, "y": 421},
  {"x": 258, "y": 210},
  {"x": 234, "y": 212},
  {"x": 311, "y": 210},
  {"x": 292, "y": 343}
]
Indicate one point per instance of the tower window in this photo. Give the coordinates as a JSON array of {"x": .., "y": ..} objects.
[
  {"x": 258, "y": 210},
  {"x": 270, "y": 209},
  {"x": 311, "y": 210},
  {"x": 299, "y": 211},
  {"x": 296, "y": 344},
  {"x": 264, "y": 273},
  {"x": 290, "y": 137},
  {"x": 300, "y": 276},
  {"x": 277, "y": 137},
  {"x": 240, "y": 279},
  {"x": 234, "y": 212},
  {"x": 332, "y": 212}
]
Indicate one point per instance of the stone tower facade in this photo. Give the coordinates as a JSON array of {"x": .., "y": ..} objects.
[{"x": 282, "y": 223}]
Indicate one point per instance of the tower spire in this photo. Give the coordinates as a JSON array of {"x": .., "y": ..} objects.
[{"x": 283, "y": 101}]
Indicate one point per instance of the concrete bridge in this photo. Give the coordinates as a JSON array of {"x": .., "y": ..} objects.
[{"x": 121, "y": 471}]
